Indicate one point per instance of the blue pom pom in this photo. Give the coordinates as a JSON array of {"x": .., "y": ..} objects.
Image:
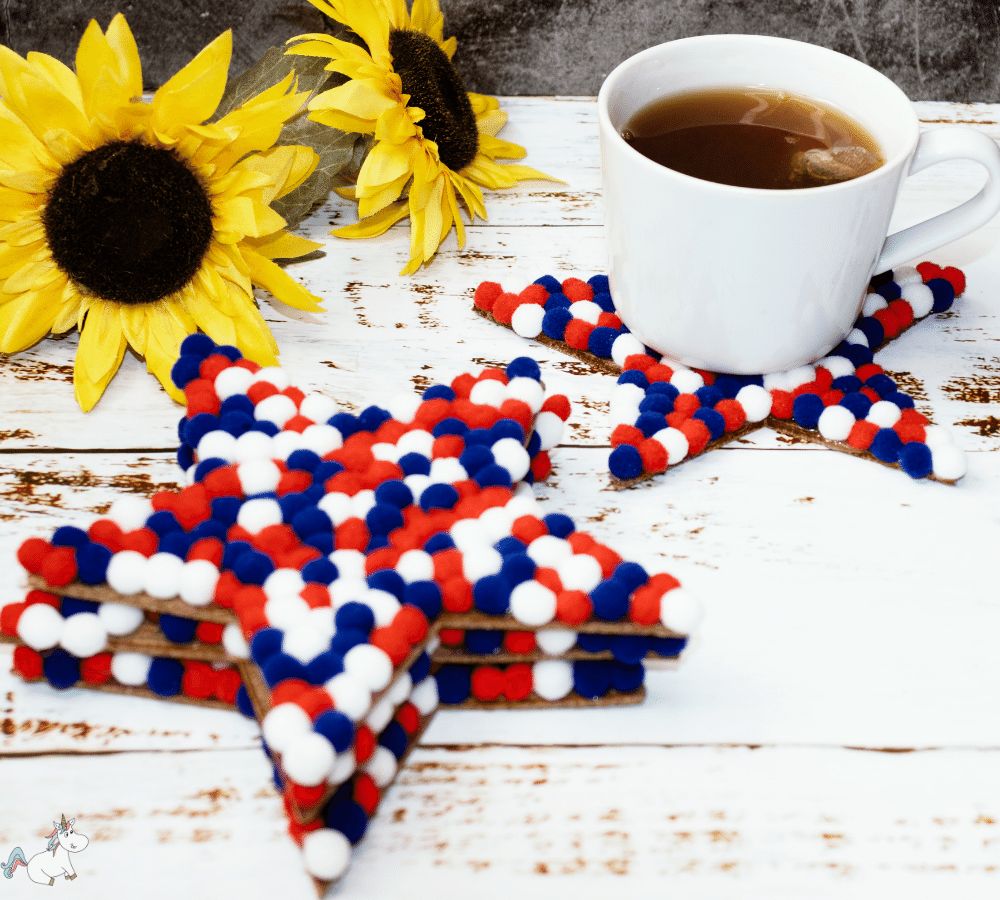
[
  {"x": 231, "y": 353},
  {"x": 483, "y": 641},
  {"x": 377, "y": 542},
  {"x": 61, "y": 670},
  {"x": 524, "y": 367},
  {"x": 944, "y": 293},
  {"x": 450, "y": 425},
  {"x": 610, "y": 599},
  {"x": 847, "y": 384},
  {"x": 425, "y": 596},
  {"x": 549, "y": 282},
  {"x": 388, "y": 580},
  {"x": 599, "y": 283},
  {"x": 349, "y": 818},
  {"x": 345, "y": 423},
  {"x": 517, "y": 568},
  {"x": 631, "y": 575},
  {"x": 554, "y": 322},
  {"x": 903, "y": 401},
  {"x": 347, "y": 638},
  {"x": 281, "y": 667},
  {"x": 872, "y": 329},
  {"x": 880, "y": 278},
  {"x": 886, "y": 446},
  {"x": 185, "y": 457},
  {"x": 415, "y": 464},
  {"x": 421, "y": 668},
  {"x": 454, "y": 684},
  {"x": 238, "y": 403},
  {"x": 324, "y": 667},
  {"x": 177, "y": 629},
  {"x": 319, "y": 571},
  {"x": 626, "y": 678},
  {"x": 372, "y": 417},
  {"x": 509, "y": 545},
  {"x": 915, "y": 459},
  {"x": 656, "y": 402},
  {"x": 337, "y": 728},
  {"x": 210, "y": 528},
  {"x": 558, "y": 300},
  {"x": 309, "y": 521},
  {"x": 198, "y": 426},
  {"x": 534, "y": 444},
  {"x": 295, "y": 503},
  {"x": 163, "y": 522},
  {"x": 438, "y": 392},
  {"x": 629, "y": 649},
  {"x": 714, "y": 421},
  {"x": 728, "y": 385},
  {"x": 857, "y": 403},
  {"x": 438, "y": 496},
  {"x": 600, "y": 341},
  {"x": 806, "y": 410},
  {"x": 268, "y": 428},
  {"x": 244, "y": 704},
  {"x": 890, "y": 291},
  {"x": 253, "y": 567},
  {"x": 625, "y": 462},
  {"x": 856, "y": 354},
  {"x": 649, "y": 423},
  {"x": 881, "y": 383},
  {"x": 709, "y": 395},
  {"x": 560, "y": 525},
  {"x": 593, "y": 643},
  {"x": 208, "y": 465},
  {"x": 474, "y": 457},
  {"x": 591, "y": 679},
  {"x": 663, "y": 389},
  {"x": 165, "y": 677},
  {"x": 233, "y": 551},
  {"x": 326, "y": 470},
  {"x": 667, "y": 646},
  {"x": 322, "y": 541},
  {"x": 384, "y": 518},
  {"x": 492, "y": 595},
  {"x": 634, "y": 376},
  {"x": 176, "y": 542},
  {"x": 355, "y": 615},
  {"x": 394, "y": 739},
  {"x": 264, "y": 644},
  {"x": 439, "y": 541},
  {"x": 604, "y": 301},
  {"x": 92, "y": 563},
  {"x": 481, "y": 436},
  {"x": 303, "y": 460},
  {"x": 70, "y": 606},
  {"x": 185, "y": 370},
  {"x": 492, "y": 475}
]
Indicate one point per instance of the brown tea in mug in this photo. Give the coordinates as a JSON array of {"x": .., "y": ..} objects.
[{"x": 752, "y": 137}]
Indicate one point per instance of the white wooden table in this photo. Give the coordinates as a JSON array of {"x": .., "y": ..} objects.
[{"x": 833, "y": 731}]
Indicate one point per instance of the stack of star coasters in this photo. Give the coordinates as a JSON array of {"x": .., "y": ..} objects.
[{"x": 339, "y": 576}]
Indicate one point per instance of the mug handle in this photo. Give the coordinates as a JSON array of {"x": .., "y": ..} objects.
[{"x": 937, "y": 146}]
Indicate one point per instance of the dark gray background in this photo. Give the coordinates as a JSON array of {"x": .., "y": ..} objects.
[{"x": 933, "y": 49}]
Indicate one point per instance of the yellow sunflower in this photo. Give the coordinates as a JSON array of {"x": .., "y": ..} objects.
[
  {"x": 434, "y": 144},
  {"x": 141, "y": 222}
]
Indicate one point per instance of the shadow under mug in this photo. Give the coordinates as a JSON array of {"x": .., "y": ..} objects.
[{"x": 749, "y": 281}]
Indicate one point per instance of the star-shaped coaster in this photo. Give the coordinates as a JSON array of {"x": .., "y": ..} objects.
[
  {"x": 324, "y": 550},
  {"x": 664, "y": 414}
]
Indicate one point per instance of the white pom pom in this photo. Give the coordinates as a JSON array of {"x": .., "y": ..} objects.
[
  {"x": 837, "y": 366},
  {"x": 232, "y": 381},
  {"x": 626, "y": 397},
  {"x": 905, "y": 275},
  {"x": 856, "y": 336},
  {"x": 528, "y": 391},
  {"x": 385, "y": 452},
  {"x": 400, "y": 691},
  {"x": 416, "y": 441},
  {"x": 362, "y": 503},
  {"x": 469, "y": 534},
  {"x": 777, "y": 381},
  {"x": 756, "y": 402},
  {"x": 937, "y": 436},
  {"x": 480, "y": 562},
  {"x": 256, "y": 515},
  {"x": 321, "y": 439},
  {"x": 579, "y": 572},
  {"x": 511, "y": 455},
  {"x": 532, "y": 603},
  {"x": 675, "y": 442},
  {"x": 252, "y": 445},
  {"x": 948, "y": 462},
  {"x": 548, "y": 550},
  {"x": 284, "y": 444},
  {"x": 318, "y": 407},
  {"x": 349, "y": 563},
  {"x": 383, "y": 605},
  {"x": 920, "y": 297},
  {"x": 550, "y": 428},
  {"x": 555, "y": 641},
  {"x": 403, "y": 406},
  {"x": 344, "y": 767},
  {"x": 415, "y": 565},
  {"x": 40, "y": 626},
  {"x": 687, "y": 381},
  {"x": 285, "y": 611},
  {"x": 496, "y": 523},
  {"x": 278, "y": 408},
  {"x": 417, "y": 484},
  {"x": 527, "y": 320},
  {"x": 130, "y": 512},
  {"x": 283, "y": 583},
  {"x": 425, "y": 696},
  {"x": 259, "y": 476},
  {"x": 304, "y": 641},
  {"x": 163, "y": 576},
  {"x": 234, "y": 643},
  {"x": 553, "y": 678},
  {"x": 624, "y": 346},
  {"x": 284, "y": 724},
  {"x": 349, "y": 696},
  {"x": 120, "y": 618},
  {"x": 370, "y": 666},
  {"x": 873, "y": 303},
  {"x": 586, "y": 310},
  {"x": 488, "y": 392},
  {"x": 382, "y": 767},
  {"x": 835, "y": 423},
  {"x": 884, "y": 413},
  {"x": 126, "y": 573},
  {"x": 337, "y": 506},
  {"x": 272, "y": 375},
  {"x": 345, "y": 589},
  {"x": 447, "y": 470},
  {"x": 381, "y": 715},
  {"x": 217, "y": 445},
  {"x": 130, "y": 669},
  {"x": 326, "y": 853},
  {"x": 680, "y": 611},
  {"x": 308, "y": 759},
  {"x": 83, "y": 635},
  {"x": 198, "y": 580}
]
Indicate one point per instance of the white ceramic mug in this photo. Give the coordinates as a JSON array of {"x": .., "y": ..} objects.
[{"x": 749, "y": 281}]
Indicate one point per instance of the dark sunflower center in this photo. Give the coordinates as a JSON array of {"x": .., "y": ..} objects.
[
  {"x": 128, "y": 222},
  {"x": 435, "y": 87}
]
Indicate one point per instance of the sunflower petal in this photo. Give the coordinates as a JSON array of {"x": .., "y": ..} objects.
[
  {"x": 99, "y": 355},
  {"x": 377, "y": 224},
  {"x": 279, "y": 283},
  {"x": 59, "y": 75},
  {"x": 285, "y": 246},
  {"x": 25, "y": 321},
  {"x": 194, "y": 93}
]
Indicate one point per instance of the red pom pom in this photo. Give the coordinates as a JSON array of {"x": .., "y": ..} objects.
[
  {"x": 9, "y": 617},
  {"x": 447, "y": 445},
  {"x": 352, "y": 535},
  {"x": 687, "y": 405},
  {"x": 577, "y": 290},
  {"x": 654, "y": 456},
  {"x": 492, "y": 373},
  {"x": 409, "y": 717},
  {"x": 380, "y": 471},
  {"x": 867, "y": 370},
  {"x": 366, "y": 793},
  {"x": 486, "y": 295},
  {"x": 107, "y": 533},
  {"x": 447, "y": 564},
  {"x": 517, "y": 410},
  {"x": 222, "y": 482},
  {"x": 871, "y": 394},
  {"x": 451, "y": 636},
  {"x": 577, "y": 334},
  {"x": 296, "y": 395},
  {"x": 956, "y": 277},
  {"x": 27, "y": 663},
  {"x": 245, "y": 599},
  {"x": 227, "y": 685},
  {"x": 541, "y": 465},
  {"x": 305, "y": 797},
  {"x": 518, "y": 682},
  {"x": 59, "y": 567},
  {"x": 462, "y": 385},
  {"x": 831, "y": 398},
  {"x": 411, "y": 623},
  {"x": 606, "y": 558},
  {"x": 659, "y": 372},
  {"x": 33, "y": 597},
  {"x": 212, "y": 365},
  {"x": 902, "y": 311},
  {"x": 297, "y": 423},
  {"x": 261, "y": 390},
  {"x": 32, "y": 553},
  {"x": 487, "y": 683},
  {"x": 456, "y": 595},
  {"x": 343, "y": 483},
  {"x": 314, "y": 701},
  {"x": 627, "y": 434},
  {"x": 390, "y": 431},
  {"x": 209, "y": 632},
  {"x": 527, "y": 528},
  {"x": 226, "y": 589},
  {"x": 558, "y": 404},
  {"x": 364, "y": 743},
  {"x": 732, "y": 412},
  {"x": 781, "y": 404},
  {"x": 697, "y": 435},
  {"x": 208, "y": 548},
  {"x": 198, "y": 680},
  {"x": 430, "y": 412},
  {"x": 317, "y": 596},
  {"x": 890, "y": 324},
  {"x": 581, "y": 542},
  {"x": 809, "y": 387},
  {"x": 191, "y": 506},
  {"x": 504, "y": 307},
  {"x": 96, "y": 669},
  {"x": 639, "y": 362},
  {"x": 288, "y": 691},
  {"x": 392, "y": 642},
  {"x": 609, "y": 320},
  {"x": 249, "y": 365},
  {"x": 573, "y": 607},
  {"x": 928, "y": 270},
  {"x": 862, "y": 434},
  {"x": 911, "y": 426},
  {"x": 293, "y": 482},
  {"x": 824, "y": 378},
  {"x": 201, "y": 398},
  {"x": 519, "y": 641},
  {"x": 534, "y": 293},
  {"x": 548, "y": 578},
  {"x": 644, "y": 607}
]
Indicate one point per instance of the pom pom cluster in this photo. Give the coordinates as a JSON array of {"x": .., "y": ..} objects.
[
  {"x": 525, "y": 646},
  {"x": 663, "y": 414}
]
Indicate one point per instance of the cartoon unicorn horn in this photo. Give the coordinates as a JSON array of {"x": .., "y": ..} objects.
[{"x": 63, "y": 825}]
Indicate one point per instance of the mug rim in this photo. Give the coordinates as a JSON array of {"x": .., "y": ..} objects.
[{"x": 605, "y": 124}]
